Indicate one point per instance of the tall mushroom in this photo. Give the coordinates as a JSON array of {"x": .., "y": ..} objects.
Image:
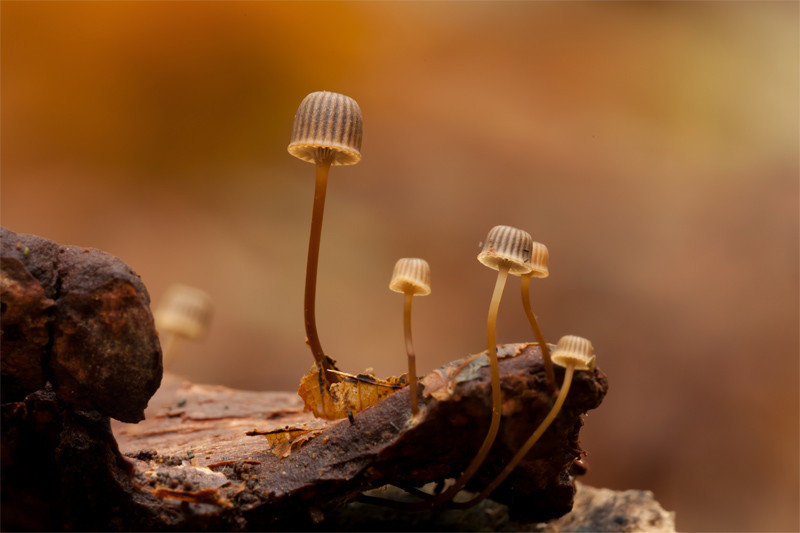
[
  {"x": 327, "y": 132},
  {"x": 539, "y": 258},
  {"x": 507, "y": 250},
  {"x": 411, "y": 276}
]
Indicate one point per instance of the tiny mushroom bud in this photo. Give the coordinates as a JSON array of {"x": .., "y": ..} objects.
[
  {"x": 327, "y": 131},
  {"x": 411, "y": 276},
  {"x": 539, "y": 258},
  {"x": 573, "y": 353},
  {"x": 184, "y": 313}
]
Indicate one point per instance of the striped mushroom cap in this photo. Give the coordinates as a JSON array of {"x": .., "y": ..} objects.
[
  {"x": 411, "y": 275},
  {"x": 539, "y": 258},
  {"x": 507, "y": 246},
  {"x": 575, "y": 351},
  {"x": 184, "y": 311},
  {"x": 327, "y": 121}
]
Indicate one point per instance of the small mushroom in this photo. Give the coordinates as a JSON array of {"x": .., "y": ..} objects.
[
  {"x": 184, "y": 313},
  {"x": 507, "y": 250},
  {"x": 327, "y": 131},
  {"x": 539, "y": 258},
  {"x": 573, "y": 353},
  {"x": 411, "y": 276}
]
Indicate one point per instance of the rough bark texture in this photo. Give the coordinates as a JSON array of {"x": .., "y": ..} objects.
[
  {"x": 594, "y": 510},
  {"x": 26, "y": 317},
  {"x": 80, "y": 319},
  {"x": 83, "y": 347},
  {"x": 193, "y": 466}
]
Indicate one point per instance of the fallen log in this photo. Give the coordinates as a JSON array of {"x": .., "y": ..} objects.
[
  {"x": 213, "y": 428},
  {"x": 212, "y": 458},
  {"x": 202, "y": 460}
]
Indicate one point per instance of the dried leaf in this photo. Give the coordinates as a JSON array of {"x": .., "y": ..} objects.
[
  {"x": 285, "y": 440},
  {"x": 285, "y": 449},
  {"x": 347, "y": 397},
  {"x": 513, "y": 350},
  {"x": 441, "y": 383}
]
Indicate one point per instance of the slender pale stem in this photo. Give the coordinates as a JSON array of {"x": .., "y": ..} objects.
[
  {"x": 323, "y": 363},
  {"x": 562, "y": 395},
  {"x": 526, "y": 303},
  {"x": 412, "y": 359},
  {"x": 494, "y": 426},
  {"x": 169, "y": 350}
]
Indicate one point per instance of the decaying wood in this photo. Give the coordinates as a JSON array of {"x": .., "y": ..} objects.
[
  {"x": 209, "y": 425},
  {"x": 212, "y": 458},
  {"x": 192, "y": 464},
  {"x": 80, "y": 319},
  {"x": 594, "y": 510}
]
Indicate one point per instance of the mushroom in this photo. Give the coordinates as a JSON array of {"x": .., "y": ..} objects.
[
  {"x": 573, "y": 353},
  {"x": 327, "y": 131},
  {"x": 184, "y": 313},
  {"x": 507, "y": 250},
  {"x": 411, "y": 276},
  {"x": 539, "y": 257}
]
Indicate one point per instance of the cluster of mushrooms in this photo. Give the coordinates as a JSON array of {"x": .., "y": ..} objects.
[{"x": 327, "y": 132}]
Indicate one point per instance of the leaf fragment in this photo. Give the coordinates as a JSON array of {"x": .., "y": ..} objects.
[
  {"x": 441, "y": 383},
  {"x": 284, "y": 441},
  {"x": 352, "y": 394}
]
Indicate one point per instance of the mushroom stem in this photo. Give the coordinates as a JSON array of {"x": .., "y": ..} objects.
[
  {"x": 411, "y": 276},
  {"x": 537, "y": 331},
  {"x": 491, "y": 339},
  {"x": 494, "y": 426},
  {"x": 169, "y": 349},
  {"x": 551, "y": 415},
  {"x": 412, "y": 364},
  {"x": 323, "y": 163}
]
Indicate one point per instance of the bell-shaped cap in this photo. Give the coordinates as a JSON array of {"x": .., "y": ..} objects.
[
  {"x": 575, "y": 351},
  {"x": 539, "y": 258},
  {"x": 411, "y": 275},
  {"x": 327, "y": 125},
  {"x": 184, "y": 311},
  {"x": 507, "y": 246}
]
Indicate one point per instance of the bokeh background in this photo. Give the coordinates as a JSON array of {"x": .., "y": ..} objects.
[{"x": 653, "y": 147}]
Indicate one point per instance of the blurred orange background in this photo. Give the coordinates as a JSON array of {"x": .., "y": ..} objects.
[{"x": 653, "y": 147}]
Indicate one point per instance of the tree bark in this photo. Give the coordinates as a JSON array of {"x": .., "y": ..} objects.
[{"x": 211, "y": 458}]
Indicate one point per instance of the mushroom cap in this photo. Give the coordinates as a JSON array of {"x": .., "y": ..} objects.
[
  {"x": 539, "y": 258},
  {"x": 411, "y": 275},
  {"x": 507, "y": 246},
  {"x": 575, "y": 351},
  {"x": 184, "y": 311},
  {"x": 327, "y": 122}
]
